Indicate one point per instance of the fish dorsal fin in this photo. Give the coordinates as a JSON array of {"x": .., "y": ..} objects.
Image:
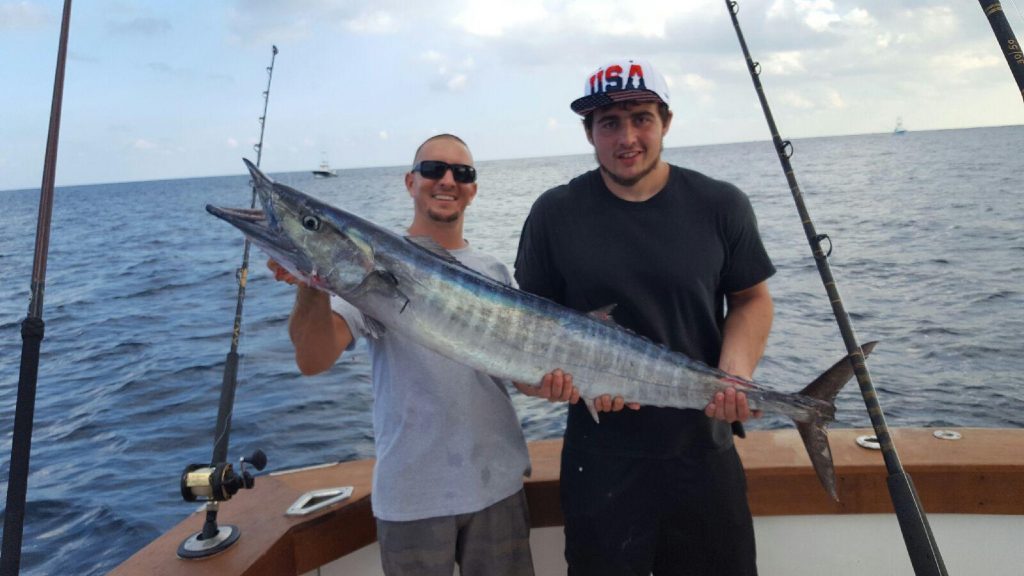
[
  {"x": 603, "y": 314},
  {"x": 431, "y": 245}
]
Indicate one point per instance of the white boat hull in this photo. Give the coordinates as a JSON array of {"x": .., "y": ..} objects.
[{"x": 839, "y": 545}]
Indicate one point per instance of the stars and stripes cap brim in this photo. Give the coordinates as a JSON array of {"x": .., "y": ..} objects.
[{"x": 621, "y": 81}]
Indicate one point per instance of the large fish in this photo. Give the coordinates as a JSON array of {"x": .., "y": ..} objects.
[{"x": 416, "y": 288}]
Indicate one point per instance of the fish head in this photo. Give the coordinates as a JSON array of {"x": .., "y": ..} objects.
[{"x": 317, "y": 243}]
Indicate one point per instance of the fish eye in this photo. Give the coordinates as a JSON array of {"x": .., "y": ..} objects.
[{"x": 311, "y": 223}]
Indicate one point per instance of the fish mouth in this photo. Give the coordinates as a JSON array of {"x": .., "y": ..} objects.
[
  {"x": 265, "y": 233},
  {"x": 252, "y": 222}
]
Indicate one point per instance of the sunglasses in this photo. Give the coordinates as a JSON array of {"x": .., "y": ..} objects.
[{"x": 435, "y": 170}]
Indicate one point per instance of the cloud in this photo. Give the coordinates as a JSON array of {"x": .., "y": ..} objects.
[
  {"x": 835, "y": 100},
  {"x": 383, "y": 135},
  {"x": 495, "y": 17},
  {"x": 232, "y": 143},
  {"x": 449, "y": 76},
  {"x": 145, "y": 27},
  {"x": 23, "y": 15},
  {"x": 457, "y": 83},
  {"x": 143, "y": 144},
  {"x": 697, "y": 83},
  {"x": 373, "y": 23},
  {"x": 784, "y": 63}
]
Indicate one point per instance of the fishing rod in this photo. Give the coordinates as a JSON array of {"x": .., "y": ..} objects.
[
  {"x": 1007, "y": 41},
  {"x": 917, "y": 534},
  {"x": 32, "y": 330},
  {"x": 217, "y": 482}
]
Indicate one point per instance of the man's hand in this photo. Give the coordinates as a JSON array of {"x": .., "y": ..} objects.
[
  {"x": 283, "y": 275},
  {"x": 606, "y": 403},
  {"x": 556, "y": 386},
  {"x": 730, "y": 406}
]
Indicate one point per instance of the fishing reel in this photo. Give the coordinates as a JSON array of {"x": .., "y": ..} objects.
[
  {"x": 218, "y": 482},
  {"x": 213, "y": 484}
]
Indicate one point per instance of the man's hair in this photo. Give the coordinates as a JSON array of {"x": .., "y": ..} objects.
[
  {"x": 588, "y": 120},
  {"x": 416, "y": 156}
]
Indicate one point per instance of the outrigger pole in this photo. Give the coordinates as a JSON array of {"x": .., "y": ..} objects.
[
  {"x": 32, "y": 330},
  {"x": 917, "y": 534},
  {"x": 217, "y": 482},
  {"x": 1007, "y": 41}
]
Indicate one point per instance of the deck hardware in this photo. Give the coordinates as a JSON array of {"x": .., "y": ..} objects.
[{"x": 318, "y": 499}]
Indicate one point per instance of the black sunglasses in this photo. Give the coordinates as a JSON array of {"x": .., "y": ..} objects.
[{"x": 435, "y": 170}]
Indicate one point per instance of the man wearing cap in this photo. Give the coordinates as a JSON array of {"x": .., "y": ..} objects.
[{"x": 653, "y": 489}]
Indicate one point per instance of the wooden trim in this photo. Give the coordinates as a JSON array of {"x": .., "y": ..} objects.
[{"x": 983, "y": 473}]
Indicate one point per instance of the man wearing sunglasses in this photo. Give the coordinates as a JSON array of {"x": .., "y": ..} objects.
[
  {"x": 448, "y": 482},
  {"x": 653, "y": 490}
]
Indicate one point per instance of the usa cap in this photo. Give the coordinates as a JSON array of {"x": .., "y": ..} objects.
[{"x": 620, "y": 81}]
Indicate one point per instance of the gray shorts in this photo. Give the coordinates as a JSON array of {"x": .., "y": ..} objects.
[{"x": 493, "y": 541}]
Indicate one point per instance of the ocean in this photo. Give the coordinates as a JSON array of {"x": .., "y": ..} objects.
[{"x": 927, "y": 231}]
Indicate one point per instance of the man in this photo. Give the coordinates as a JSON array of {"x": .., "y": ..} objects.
[
  {"x": 448, "y": 484},
  {"x": 653, "y": 489}
]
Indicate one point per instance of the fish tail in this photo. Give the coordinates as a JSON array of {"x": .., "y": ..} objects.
[{"x": 813, "y": 433}]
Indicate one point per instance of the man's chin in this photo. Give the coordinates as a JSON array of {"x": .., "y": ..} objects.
[
  {"x": 627, "y": 181},
  {"x": 444, "y": 218}
]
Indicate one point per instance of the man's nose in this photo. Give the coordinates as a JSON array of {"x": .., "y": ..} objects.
[{"x": 448, "y": 178}]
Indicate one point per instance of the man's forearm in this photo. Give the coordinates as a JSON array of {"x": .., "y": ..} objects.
[
  {"x": 313, "y": 331},
  {"x": 745, "y": 335}
]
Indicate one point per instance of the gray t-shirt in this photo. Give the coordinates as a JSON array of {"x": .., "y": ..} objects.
[{"x": 447, "y": 437}]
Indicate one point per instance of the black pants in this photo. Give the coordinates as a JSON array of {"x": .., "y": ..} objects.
[{"x": 678, "y": 516}]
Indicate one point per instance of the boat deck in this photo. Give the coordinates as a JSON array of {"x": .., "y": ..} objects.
[{"x": 981, "y": 473}]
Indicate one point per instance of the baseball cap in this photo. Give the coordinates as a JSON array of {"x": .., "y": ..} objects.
[{"x": 619, "y": 81}]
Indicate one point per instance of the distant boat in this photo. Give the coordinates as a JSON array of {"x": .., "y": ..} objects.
[
  {"x": 325, "y": 170},
  {"x": 899, "y": 130}
]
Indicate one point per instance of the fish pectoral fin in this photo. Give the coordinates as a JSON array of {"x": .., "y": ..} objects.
[
  {"x": 603, "y": 314},
  {"x": 374, "y": 326},
  {"x": 590, "y": 408}
]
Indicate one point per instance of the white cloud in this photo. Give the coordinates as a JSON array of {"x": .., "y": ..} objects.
[
  {"x": 795, "y": 100},
  {"x": 232, "y": 143},
  {"x": 374, "y": 23},
  {"x": 23, "y": 15},
  {"x": 383, "y": 135},
  {"x": 955, "y": 63},
  {"x": 784, "y": 63},
  {"x": 819, "y": 20},
  {"x": 835, "y": 100},
  {"x": 552, "y": 124},
  {"x": 143, "y": 144},
  {"x": 457, "y": 83},
  {"x": 859, "y": 17},
  {"x": 698, "y": 83},
  {"x": 494, "y": 17}
]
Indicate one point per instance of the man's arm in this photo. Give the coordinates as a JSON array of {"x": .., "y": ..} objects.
[
  {"x": 747, "y": 323},
  {"x": 317, "y": 333}
]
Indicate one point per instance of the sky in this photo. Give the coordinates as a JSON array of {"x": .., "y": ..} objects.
[{"x": 159, "y": 90}]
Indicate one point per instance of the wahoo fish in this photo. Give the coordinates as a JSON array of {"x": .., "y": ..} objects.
[{"x": 416, "y": 288}]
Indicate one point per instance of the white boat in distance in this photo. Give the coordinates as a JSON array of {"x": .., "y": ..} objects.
[
  {"x": 899, "y": 130},
  {"x": 325, "y": 170}
]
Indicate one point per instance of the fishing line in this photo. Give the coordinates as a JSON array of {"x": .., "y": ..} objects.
[
  {"x": 218, "y": 481},
  {"x": 1017, "y": 8},
  {"x": 917, "y": 534}
]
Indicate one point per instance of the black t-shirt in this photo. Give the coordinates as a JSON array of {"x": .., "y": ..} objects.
[{"x": 666, "y": 263}]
